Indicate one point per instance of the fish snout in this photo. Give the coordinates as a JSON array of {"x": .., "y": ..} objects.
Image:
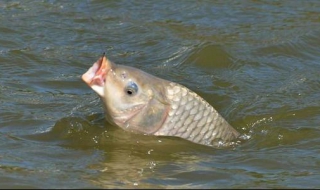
[{"x": 96, "y": 75}]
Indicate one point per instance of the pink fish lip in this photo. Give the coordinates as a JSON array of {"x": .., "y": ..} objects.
[{"x": 96, "y": 75}]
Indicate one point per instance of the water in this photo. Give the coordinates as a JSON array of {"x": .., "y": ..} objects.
[{"x": 256, "y": 62}]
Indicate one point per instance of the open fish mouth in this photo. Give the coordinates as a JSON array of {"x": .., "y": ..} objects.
[{"x": 96, "y": 75}]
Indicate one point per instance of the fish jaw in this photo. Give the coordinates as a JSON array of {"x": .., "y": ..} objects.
[
  {"x": 95, "y": 77},
  {"x": 122, "y": 118}
]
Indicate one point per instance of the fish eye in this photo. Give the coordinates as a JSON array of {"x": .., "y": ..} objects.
[{"x": 131, "y": 89}]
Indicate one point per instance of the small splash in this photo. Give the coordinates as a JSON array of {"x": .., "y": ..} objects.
[
  {"x": 280, "y": 137},
  {"x": 149, "y": 152},
  {"x": 264, "y": 132},
  {"x": 104, "y": 169},
  {"x": 264, "y": 120},
  {"x": 245, "y": 137},
  {"x": 95, "y": 139},
  {"x": 141, "y": 171},
  {"x": 152, "y": 165}
]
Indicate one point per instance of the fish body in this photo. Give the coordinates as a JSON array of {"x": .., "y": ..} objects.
[{"x": 142, "y": 103}]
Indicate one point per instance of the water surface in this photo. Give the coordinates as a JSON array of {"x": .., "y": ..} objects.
[{"x": 257, "y": 62}]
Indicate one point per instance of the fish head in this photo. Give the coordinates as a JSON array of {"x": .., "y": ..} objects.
[{"x": 133, "y": 99}]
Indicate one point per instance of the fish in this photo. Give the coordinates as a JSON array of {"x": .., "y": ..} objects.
[{"x": 142, "y": 103}]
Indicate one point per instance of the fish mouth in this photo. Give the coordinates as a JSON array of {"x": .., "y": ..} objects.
[
  {"x": 96, "y": 75},
  {"x": 122, "y": 117}
]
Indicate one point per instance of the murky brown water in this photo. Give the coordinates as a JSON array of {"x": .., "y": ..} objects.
[{"x": 257, "y": 62}]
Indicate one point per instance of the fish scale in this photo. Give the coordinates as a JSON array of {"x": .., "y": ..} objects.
[{"x": 192, "y": 118}]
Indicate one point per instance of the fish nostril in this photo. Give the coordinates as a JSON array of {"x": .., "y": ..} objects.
[{"x": 123, "y": 75}]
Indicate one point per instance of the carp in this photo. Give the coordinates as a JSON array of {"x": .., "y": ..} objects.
[{"x": 143, "y": 103}]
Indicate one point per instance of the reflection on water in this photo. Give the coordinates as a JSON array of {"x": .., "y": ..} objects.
[{"x": 256, "y": 62}]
